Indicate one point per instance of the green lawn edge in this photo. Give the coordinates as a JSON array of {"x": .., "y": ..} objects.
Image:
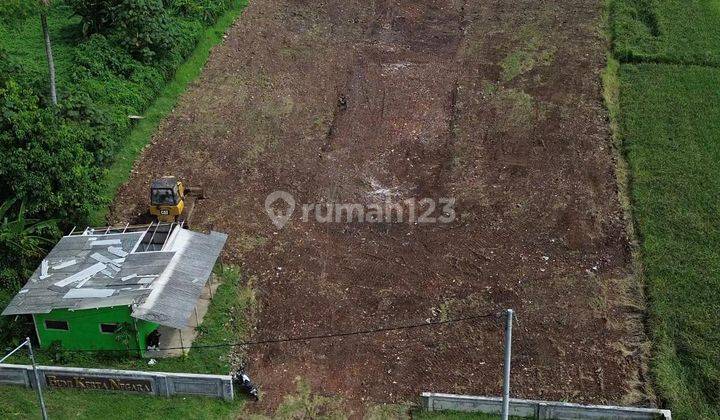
[{"x": 140, "y": 136}]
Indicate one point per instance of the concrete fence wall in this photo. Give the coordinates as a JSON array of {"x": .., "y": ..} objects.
[
  {"x": 539, "y": 409},
  {"x": 148, "y": 383}
]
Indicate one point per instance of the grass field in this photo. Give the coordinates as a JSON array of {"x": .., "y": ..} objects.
[
  {"x": 668, "y": 111},
  {"x": 670, "y": 122},
  {"x": 668, "y": 31}
]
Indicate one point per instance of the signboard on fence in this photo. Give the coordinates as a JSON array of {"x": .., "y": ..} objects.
[
  {"x": 99, "y": 382},
  {"x": 162, "y": 384}
]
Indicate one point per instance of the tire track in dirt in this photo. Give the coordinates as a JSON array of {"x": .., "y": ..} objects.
[{"x": 494, "y": 103}]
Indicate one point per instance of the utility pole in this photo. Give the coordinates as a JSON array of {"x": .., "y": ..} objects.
[
  {"x": 38, "y": 385},
  {"x": 508, "y": 354}
]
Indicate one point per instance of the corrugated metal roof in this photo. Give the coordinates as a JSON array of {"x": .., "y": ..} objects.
[
  {"x": 176, "y": 291},
  {"x": 86, "y": 271}
]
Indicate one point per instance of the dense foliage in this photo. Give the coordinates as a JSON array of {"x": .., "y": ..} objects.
[
  {"x": 112, "y": 59},
  {"x": 143, "y": 27}
]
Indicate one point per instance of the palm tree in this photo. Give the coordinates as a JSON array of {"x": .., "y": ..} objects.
[{"x": 44, "y": 6}]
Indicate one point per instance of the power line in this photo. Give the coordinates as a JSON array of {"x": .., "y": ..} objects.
[{"x": 309, "y": 337}]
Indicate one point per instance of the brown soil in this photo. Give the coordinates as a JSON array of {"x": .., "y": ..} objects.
[{"x": 495, "y": 103}]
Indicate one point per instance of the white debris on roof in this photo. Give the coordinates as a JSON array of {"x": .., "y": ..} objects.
[
  {"x": 117, "y": 251},
  {"x": 44, "y": 270},
  {"x": 160, "y": 286},
  {"x": 106, "y": 242},
  {"x": 101, "y": 258},
  {"x": 64, "y": 264},
  {"x": 88, "y": 293},
  {"x": 82, "y": 275}
]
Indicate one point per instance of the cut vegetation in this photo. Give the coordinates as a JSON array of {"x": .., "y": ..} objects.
[{"x": 495, "y": 104}]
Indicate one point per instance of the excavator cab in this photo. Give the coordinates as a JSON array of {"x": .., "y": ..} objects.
[{"x": 167, "y": 199}]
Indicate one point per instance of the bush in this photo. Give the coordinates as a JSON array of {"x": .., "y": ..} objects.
[
  {"x": 207, "y": 10},
  {"x": 43, "y": 160},
  {"x": 143, "y": 27},
  {"x": 57, "y": 353},
  {"x": 8, "y": 67}
]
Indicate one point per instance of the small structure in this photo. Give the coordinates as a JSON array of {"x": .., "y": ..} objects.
[{"x": 110, "y": 289}]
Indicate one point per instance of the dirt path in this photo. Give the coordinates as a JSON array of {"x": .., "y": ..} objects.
[{"x": 496, "y": 104}]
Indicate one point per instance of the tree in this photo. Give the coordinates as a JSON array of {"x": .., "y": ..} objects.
[{"x": 45, "y": 5}]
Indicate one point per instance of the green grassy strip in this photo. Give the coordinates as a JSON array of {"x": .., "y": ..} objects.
[
  {"x": 670, "y": 124},
  {"x": 140, "y": 136},
  {"x": 21, "y": 403}
]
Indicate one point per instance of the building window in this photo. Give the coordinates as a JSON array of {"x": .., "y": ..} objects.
[
  {"x": 52, "y": 324},
  {"x": 108, "y": 328}
]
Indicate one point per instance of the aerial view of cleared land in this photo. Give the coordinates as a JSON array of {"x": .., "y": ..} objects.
[{"x": 577, "y": 141}]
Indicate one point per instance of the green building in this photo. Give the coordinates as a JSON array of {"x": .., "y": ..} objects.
[{"x": 110, "y": 289}]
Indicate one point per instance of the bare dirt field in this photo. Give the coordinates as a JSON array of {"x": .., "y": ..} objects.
[{"x": 496, "y": 104}]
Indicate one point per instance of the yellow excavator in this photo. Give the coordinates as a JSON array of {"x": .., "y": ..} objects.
[{"x": 171, "y": 201}]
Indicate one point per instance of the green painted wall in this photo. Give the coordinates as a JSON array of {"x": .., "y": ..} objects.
[
  {"x": 143, "y": 329},
  {"x": 84, "y": 328}
]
